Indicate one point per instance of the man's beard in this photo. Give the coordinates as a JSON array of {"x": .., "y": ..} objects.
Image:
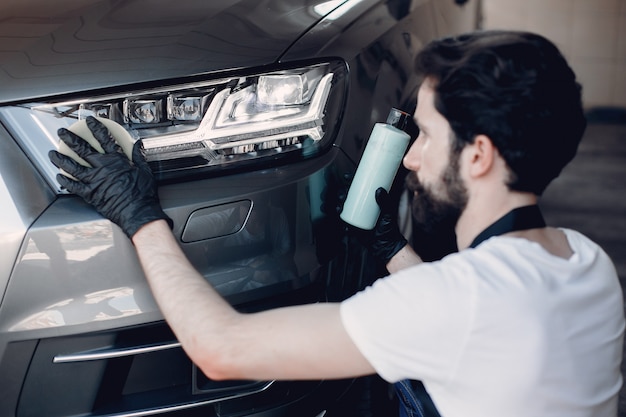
[{"x": 433, "y": 213}]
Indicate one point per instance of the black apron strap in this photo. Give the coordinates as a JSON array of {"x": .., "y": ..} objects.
[{"x": 521, "y": 218}]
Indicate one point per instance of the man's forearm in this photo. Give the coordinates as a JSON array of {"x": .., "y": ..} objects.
[
  {"x": 299, "y": 342},
  {"x": 193, "y": 309}
]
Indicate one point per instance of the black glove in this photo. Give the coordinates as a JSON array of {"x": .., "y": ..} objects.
[
  {"x": 124, "y": 192},
  {"x": 387, "y": 239}
]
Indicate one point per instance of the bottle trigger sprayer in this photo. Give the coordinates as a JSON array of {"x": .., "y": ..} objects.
[{"x": 378, "y": 167}]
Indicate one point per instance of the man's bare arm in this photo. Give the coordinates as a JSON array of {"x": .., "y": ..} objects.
[{"x": 303, "y": 342}]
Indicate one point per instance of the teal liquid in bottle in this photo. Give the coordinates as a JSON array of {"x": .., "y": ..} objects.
[{"x": 377, "y": 168}]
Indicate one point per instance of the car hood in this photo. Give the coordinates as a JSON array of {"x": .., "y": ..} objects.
[{"x": 50, "y": 48}]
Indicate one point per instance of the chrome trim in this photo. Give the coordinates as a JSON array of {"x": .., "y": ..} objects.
[
  {"x": 171, "y": 409},
  {"x": 100, "y": 354}
]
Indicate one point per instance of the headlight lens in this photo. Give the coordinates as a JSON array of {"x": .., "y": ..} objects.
[{"x": 204, "y": 126}]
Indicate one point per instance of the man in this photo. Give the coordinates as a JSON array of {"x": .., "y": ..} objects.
[{"x": 526, "y": 320}]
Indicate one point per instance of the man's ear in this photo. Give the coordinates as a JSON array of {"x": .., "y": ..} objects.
[{"x": 482, "y": 156}]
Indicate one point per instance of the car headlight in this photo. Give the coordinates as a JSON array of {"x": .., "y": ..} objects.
[{"x": 205, "y": 125}]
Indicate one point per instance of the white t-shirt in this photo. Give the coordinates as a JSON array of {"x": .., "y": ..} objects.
[{"x": 502, "y": 330}]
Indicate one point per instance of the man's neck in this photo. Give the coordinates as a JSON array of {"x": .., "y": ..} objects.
[{"x": 478, "y": 215}]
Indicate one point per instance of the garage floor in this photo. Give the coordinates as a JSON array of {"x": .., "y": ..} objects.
[{"x": 590, "y": 194}]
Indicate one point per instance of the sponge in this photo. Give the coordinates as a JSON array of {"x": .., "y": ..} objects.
[{"x": 80, "y": 128}]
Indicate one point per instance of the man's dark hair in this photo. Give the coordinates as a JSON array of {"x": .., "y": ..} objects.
[{"x": 514, "y": 87}]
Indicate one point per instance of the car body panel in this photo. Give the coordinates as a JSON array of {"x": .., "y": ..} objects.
[
  {"x": 89, "y": 262},
  {"x": 24, "y": 196}
]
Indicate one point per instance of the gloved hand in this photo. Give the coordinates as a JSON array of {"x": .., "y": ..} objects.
[
  {"x": 124, "y": 192},
  {"x": 387, "y": 240}
]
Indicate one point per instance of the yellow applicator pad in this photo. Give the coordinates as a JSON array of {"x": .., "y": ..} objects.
[{"x": 80, "y": 128}]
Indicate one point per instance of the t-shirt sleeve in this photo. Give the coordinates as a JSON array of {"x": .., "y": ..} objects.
[{"x": 412, "y": 324}]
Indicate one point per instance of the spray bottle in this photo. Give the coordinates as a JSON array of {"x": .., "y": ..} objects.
[{"x": 378, "y": 167}]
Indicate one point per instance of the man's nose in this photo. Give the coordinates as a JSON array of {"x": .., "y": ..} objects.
[{"x": 411, "y": 160}]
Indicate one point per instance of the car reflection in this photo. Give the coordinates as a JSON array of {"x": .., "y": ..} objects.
[
  {"x": 260, "y": 253},
  {"x": 56, "y": 262},
  {"x": 100, "y": 305}
]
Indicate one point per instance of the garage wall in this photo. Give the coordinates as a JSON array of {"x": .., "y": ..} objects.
[{"x": 590, "y": 33}]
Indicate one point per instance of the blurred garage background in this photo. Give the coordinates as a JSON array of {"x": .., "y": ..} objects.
[{"x": 590, "y": 33}]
